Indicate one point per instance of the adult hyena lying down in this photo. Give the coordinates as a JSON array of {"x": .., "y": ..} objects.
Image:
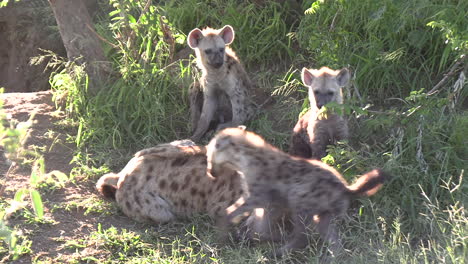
[{"x": 170, "y": 181}]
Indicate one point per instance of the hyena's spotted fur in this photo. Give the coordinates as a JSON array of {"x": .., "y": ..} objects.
[
  {"x": 170, "y": 181},
  {"x": 221, "y": 97},
  {"x": 313, "y": 132},
  {"x": 304, "y": 188}
]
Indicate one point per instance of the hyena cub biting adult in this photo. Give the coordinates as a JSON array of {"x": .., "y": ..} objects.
[
  {"x": 220, "y": 98},
  {"x": 313, "y": 132},
  {"x": 170, "y": 181},
  {"x": 304, "y": 188}
]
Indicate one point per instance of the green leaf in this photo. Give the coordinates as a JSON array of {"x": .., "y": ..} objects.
[
  {"x": 34, "y": 179},
  {"x": 37, "y": 203},
  {"x": 40, "y": 163},
  {"x": 115, "y": 12},
  {"x": 20, "y": 194},
  {"x": 131, "y": 18},
  {"x": 79, "y": 134},
  {"x": 61, "y": 177}
]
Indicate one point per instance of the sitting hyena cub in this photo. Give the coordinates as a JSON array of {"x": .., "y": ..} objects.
[
  {"x": 313, "y": 132},
  {"x": 220, "y": 97},
  {"x": 304, "y": 188},
  {"x": 170, "y": 181}
]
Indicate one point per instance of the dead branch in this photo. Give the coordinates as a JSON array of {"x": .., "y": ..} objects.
[{"x": 454, "y": 69}]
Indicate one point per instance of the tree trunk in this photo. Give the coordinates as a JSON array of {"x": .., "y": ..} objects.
[{"x": 81, "y": 41}]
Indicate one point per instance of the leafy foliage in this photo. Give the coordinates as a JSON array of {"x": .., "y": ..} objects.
[{"x": 387, "y": 43}]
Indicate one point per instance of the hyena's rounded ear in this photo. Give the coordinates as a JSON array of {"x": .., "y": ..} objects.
[
  {"x": 343, "y": 77},
  {"x": 194, "y": 38},
  {"x": 227, "y": 33},
  {"x": 306, "y": 77}
]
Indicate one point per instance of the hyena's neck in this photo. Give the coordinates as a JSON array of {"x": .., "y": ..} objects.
[{"x": 214, "y": 74}]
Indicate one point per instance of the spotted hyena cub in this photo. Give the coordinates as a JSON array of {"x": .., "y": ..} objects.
[
  {"x": 305, "y": 188},
  {"x": 313, "y": 132},
  {"x": 170, "y": 181},
  {"x": 221, "y": 97}
]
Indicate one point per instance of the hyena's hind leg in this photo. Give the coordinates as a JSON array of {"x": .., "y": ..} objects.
[
  {"x": 196, "y": 104},
  {"x": 264, "y": 224},
  {"x": 185, "y": 148},
  {"x": 154, "y": 209},
  {"x": 107, "y": 185},
  {"x": 328, "y": 232},
  {"x": 267, "y": 224},
  {"x": 298, "y": 238}
]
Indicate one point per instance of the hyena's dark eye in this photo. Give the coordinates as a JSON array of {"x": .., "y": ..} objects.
[
  {"x": 221, "y": 50},
  {"x": 316, "y": 92},
  {"x": 208, "y": 51},
  {"x": 330, "y": 93}
]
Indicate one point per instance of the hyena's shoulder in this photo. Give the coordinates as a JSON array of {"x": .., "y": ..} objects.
[{"x": 235, "y": 68}]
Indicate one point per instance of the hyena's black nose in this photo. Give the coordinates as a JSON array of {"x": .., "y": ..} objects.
[
  {"x": 320, "y": 103},
  {"x": 217, "y": 65}
]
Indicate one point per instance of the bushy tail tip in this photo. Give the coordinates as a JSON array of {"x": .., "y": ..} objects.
[
  {"x": 107, "y": 185},
  {"x": 369, "y": 183}
]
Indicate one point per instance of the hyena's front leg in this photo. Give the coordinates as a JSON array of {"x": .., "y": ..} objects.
[
  {"x": 319, "y": 140},
  {"x": 234, "y": 212},
  {"x": 240, "y": 110},
  {"x": 208, "y": 110},
  {"x": 264, "y": 224},
  {"x": 341, "y": 130},
  {"x": 318, "y": 150},
  {"x": 223, "y": 222}
]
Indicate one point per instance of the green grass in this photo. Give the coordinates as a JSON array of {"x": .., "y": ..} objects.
[
  {"x": 388, "y": 44},
  {"x": 397, "y": 50},
  {"x": 261, "y": 32}
]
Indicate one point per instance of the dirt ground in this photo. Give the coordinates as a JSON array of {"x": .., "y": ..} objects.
[{"x": 61, "y": 225}]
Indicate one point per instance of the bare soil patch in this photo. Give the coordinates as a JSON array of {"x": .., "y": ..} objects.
[{"x": 62, "y": 224}]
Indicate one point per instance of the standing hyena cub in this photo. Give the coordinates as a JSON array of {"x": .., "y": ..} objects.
[
  {"x": 313, "y": 132},
  {"x": 304, "y": 188},
  {"x": 220, "y": 97}
]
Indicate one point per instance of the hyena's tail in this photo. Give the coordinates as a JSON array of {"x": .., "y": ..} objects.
[
  {"x": 369, "y": 183},
  {"x": 107, "y": 185}
]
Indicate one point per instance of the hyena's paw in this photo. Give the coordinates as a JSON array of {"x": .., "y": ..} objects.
[
  {"x": 281, "y": 252},
  {"x": 222, "y": 230}
]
